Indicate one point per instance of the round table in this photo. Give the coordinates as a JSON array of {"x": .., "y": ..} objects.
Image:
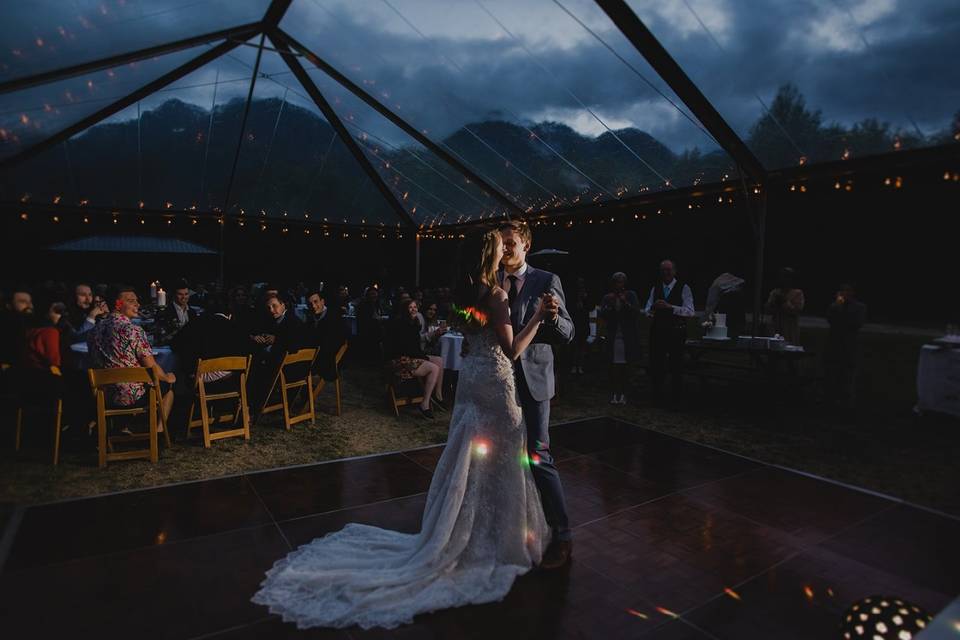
[
  {"x": 163, "y": 355},
  {"x": 450, "y": 345}
]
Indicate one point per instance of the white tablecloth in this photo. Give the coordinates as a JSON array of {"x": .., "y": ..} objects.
[
  {"x": 938, "y": 380},
  {"x": 163, "y": 355},
  {"x": 450, "y": 344}
]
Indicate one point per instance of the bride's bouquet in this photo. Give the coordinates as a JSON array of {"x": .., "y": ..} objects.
[{"x": 467, "y": 319}]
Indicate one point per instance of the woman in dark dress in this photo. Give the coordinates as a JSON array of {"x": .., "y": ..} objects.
[
  {"x": 620, "y": 310},
  {"x": 405, "y": 355}
]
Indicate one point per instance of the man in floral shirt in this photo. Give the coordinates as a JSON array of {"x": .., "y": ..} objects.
[{"x": 116, "y": 342}]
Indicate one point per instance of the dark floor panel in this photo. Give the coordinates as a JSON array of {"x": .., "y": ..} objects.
[
  {"x": 678, "y": 553},
  {"x": 575, "y": 602},
  {"x": 908, "y": 542},
  {"x": 590, "y": 436},
  {"x": 428, "y": 457},
  {"x": 180, "y": 590},
  {"x": 594, "y": 490},
  {"x": 676, "y": 630},
  {"x": 274, "y": 627},
  {"x": 674, "y": 463},
  {"x": 402, "y": 514},
  {"x": 804, "y": 598},
  {"x": 82, "y": 528},
  {"x": 805, "y": 507},
  {"x": 303, "y": 491}
]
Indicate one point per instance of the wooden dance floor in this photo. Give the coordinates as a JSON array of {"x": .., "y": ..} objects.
[{"x": 673, "y": 540}]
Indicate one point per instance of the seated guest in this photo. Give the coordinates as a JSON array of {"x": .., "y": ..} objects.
[
  {"x": 283, "y": 335},
  {"x": 343, "y": 299},
  {"x": 176, "y": 316},
  {"x": 83, "y": 313},
  {"x": 13, "y": 324},
  {"x": 433, "y": 328},
  {"x": 241, "y": 310},
  {"x": 325, "y": 332},
  {"x": 116, "y": 342},
  {"x": 43, "y": 342},
  {"x": 212, "y": 335},
  {"x": 405, "y": 357}
]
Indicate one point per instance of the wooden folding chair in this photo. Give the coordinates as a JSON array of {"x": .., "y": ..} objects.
[
  {"x": 321, "y": 383},
  {"x": 239, "y": 365},
  {"x": 305, "y": 358},
  {"x": 402, "y": 393},
  {"x": 100, "y": 378},
  {"x": 56, "y": 425}
]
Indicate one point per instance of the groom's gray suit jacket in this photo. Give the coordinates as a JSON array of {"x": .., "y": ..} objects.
[{"x": 536, "y": 363}]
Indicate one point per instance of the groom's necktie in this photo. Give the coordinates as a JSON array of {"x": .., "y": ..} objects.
[{"x": 512, "y": 293}]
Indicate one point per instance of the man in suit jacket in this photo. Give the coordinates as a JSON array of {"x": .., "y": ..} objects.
[
  {"x": 176, "y": 316},
  {"x": 534, "y": 374},
  {"x": 324, "y": 330},
  {"x": 283, "y": 334}
]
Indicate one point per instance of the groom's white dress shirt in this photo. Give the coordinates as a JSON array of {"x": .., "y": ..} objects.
[{"x": 520, "y": 274}]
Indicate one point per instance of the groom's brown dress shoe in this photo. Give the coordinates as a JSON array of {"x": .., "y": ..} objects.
[{"x": 557, "y": 555}]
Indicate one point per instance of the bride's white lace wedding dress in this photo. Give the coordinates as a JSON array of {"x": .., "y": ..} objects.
[{"x": 482, "y": 526}]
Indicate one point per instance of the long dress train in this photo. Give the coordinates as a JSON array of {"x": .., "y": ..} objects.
[{"x": 482, "y": 526}]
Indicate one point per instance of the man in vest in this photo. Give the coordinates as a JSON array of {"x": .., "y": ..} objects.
[{"x": 670, "y": 304}]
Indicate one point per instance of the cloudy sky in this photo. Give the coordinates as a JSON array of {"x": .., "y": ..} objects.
[{"x": 443, "y": 63}]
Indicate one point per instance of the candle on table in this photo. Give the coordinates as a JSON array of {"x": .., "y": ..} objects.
[
  {"x": 153, "y": 291},
  {"x": 161, "y": 298}
]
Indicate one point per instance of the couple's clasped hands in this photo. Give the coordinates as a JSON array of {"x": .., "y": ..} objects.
[{"x": 547, "y": 308}]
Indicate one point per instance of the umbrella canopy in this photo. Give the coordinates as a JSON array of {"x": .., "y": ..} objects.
[
  {"x": 131, "y": 244},
  {"x": 550, "y": 252}
]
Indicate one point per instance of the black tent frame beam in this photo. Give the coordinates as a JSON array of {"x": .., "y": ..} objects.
[
  {"x": 328, "y": 112},
  {"x": 663, "y": 63},
  {"x": 345, "y": 82},
  {"x": 241, "y": 32},
  {"x": 119, "y": 105}
]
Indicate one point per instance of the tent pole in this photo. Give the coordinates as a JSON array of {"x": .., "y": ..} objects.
[
  {"x": 416, "y": 276},
  {"x": 759, "y": 235}
]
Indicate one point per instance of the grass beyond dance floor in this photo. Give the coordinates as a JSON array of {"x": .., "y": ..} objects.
[{"x": 885, "y": 448}]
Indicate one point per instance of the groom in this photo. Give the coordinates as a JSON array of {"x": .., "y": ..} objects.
[{"x": 534, "y": 375}]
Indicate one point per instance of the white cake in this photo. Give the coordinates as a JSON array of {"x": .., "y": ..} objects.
[{"x": 719, "y": 329}]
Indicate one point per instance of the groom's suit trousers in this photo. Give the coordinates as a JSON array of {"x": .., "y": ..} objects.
[{"x": 536, "y": 415}]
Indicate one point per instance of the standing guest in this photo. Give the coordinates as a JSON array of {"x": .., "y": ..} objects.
[
  {"x": 13, "y": 324},
  {"x": 846, "y": 316},
  {"x": 580, "y": 313},
  {"x": 240, "y": 310},
  {"x": 324, "y": 330},
  {"x": 116, "y": 342},
  {"x": 784, "y": 305},
  {"x": 406, "y": 358},
  {"x": 670, "y": 304},
  {"x": 620, "y": 311},
  {"x": 177, "y": 315},
  {"x": 727, "y": 295},
  {"x": 83, "y": 314},
  {"x": 343, "y": 299}
]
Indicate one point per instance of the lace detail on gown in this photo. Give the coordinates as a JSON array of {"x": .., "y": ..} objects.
[{"x": 482, "y": 526}]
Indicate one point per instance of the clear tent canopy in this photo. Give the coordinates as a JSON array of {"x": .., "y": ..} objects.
[{"x": 439, "y": 112}]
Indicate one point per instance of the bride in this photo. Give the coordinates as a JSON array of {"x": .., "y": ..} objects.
[{"x": 483, "y": 524}]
